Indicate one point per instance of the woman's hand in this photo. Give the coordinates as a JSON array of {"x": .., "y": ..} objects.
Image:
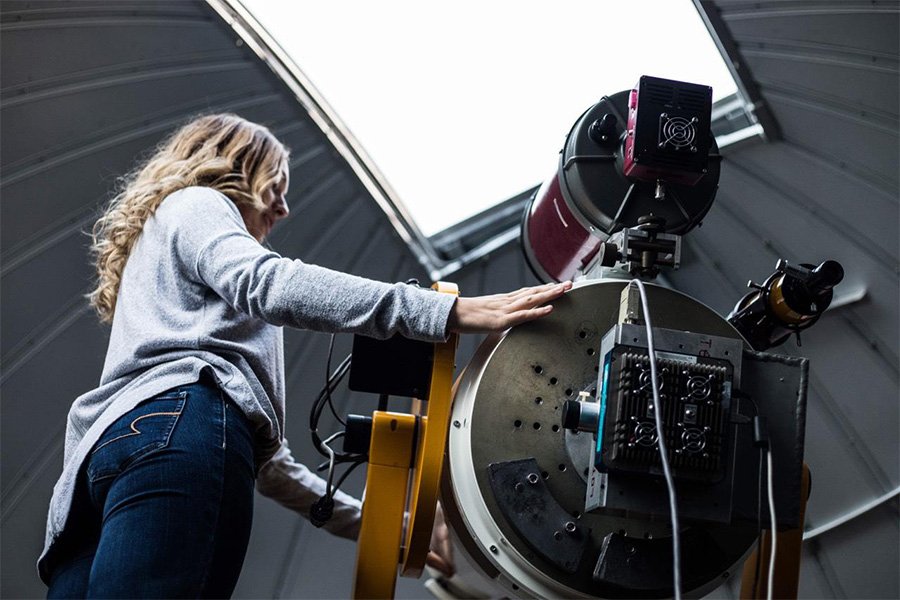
[
  {"x": 483, "y": 314},
  {"x": 440, "y": 556}
]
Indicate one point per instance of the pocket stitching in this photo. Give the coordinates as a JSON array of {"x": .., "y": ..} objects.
[{"x": 103, "y": 474}]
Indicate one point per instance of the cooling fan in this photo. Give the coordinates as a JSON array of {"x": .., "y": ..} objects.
[
  {"x": 668, "y": 136},
  {"x": 677, "y": 133}
]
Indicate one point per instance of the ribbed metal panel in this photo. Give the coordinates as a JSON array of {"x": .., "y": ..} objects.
[{"x": 828, "y": 72}]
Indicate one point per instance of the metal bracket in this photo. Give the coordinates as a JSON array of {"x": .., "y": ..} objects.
[{"x": 536, "y": 515}]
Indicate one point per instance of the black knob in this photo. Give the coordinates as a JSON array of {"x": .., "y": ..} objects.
[
  {"x": 603, "y": 130},
  {"x": 608, "y": 254},
  {"x": 652, "y": 222},
  {"x": 571, "y": 414}
]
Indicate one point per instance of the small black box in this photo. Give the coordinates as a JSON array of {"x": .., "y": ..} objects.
[
  {"x": 668, "y": 131},
  {"x": 396, "y": 366}
]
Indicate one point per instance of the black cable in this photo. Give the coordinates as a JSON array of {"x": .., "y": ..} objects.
[
  {"x": 339, "y": 460},
  {"x": 328, "y": 378},
  {"x": 322, "y": 509},
  {"x": 319, "y": 405},
  {"x": 346, "y": 474},
  {"x": 330, "y": 385}
]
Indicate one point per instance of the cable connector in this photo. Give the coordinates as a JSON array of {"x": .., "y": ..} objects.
[
  {"x": 321, "y": 510},
  {"x": 760, "y": 433}
]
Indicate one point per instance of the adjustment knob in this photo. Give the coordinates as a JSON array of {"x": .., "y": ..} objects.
[
  {"x": 652, "y": 223},
  {"x": 603, "y": 130},
  {"x": 570, "y": 414},
  {"x": 581, "y": 416},
  {"x": 608, "y": 254}
]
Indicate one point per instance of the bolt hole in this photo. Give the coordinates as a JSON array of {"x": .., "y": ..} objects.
[
  {"x": 538, "y": 369},
  {"x": 576, "y": 514},
  {"x": 545, "y": 474},
  {"x": 681, "y": 345},
  {"x": 536, "y": 426},
  {"x": 557, "y": 535},
  {"x": 538, "y": 400},
  {"x": 726, "y": 353},
  {"x": 517, "y": 423},
  {"x": 582, "y": 334},
  {"x": 562, "y": 467},
  {"x": 553, "y": 380},
  {"x": 590, "y": 351},
  {"x": 635, "y": 339},
  {"x": 568, "y": 391},
  {"x": 555, "y": 428},
  {"x": 515, "y": 587},
  {"x": 648, "y": 535}
]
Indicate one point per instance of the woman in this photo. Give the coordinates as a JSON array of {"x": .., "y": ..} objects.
[{"x": 156, "y": 495}]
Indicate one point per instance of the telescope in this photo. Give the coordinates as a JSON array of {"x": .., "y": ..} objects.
[{"x": 615, "y": 448}]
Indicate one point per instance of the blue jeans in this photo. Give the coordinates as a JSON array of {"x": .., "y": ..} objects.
[{"x": 164, "y": 503}]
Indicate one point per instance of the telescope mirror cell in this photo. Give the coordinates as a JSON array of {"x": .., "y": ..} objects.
[{"x": 509, "y": 404}]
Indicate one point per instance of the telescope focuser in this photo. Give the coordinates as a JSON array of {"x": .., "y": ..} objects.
[{"x": 790, "y": 300}]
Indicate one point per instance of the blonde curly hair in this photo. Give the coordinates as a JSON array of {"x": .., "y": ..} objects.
[{"x": 223, "y": 151}]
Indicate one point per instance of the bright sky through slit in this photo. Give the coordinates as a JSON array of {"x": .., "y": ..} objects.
[{"x": 464, "y": 104}]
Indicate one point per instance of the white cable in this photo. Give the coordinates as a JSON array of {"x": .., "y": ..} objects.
[
  {"x": 663, "y": 456},
  {"x": 774, "y": 534},
  {"x": 328, "y": 490}
]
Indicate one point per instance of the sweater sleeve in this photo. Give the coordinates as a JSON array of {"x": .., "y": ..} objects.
[
  {"x": 217, "y": 250},
  {"x": 292, "y": 485}
]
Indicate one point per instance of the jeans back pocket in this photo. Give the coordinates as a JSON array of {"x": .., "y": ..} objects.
[{"x": 143, "y": 429}]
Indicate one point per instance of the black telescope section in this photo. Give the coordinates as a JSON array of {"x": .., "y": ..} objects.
[{"x": 594, "y": 185}]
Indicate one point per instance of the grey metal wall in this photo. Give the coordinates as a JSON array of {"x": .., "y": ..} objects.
[
  {"x": 828, "y": 189},
  {"x": 88, "y": 85}
]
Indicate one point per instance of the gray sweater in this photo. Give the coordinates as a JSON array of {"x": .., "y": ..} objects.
[{"x": 199, "y": 291}]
